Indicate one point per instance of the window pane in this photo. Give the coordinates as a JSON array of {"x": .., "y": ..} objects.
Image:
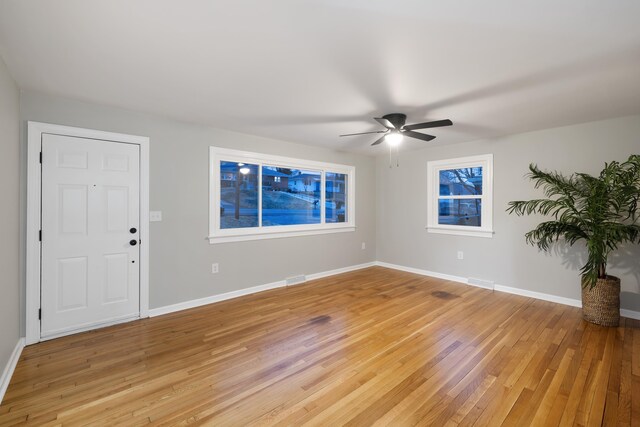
[
  {"x": 460, "y": 212},
  {"x": 238, "y": 195},
  {"x": 290, "y": 196},
  {"x": 336, "y": 197},
  {"x": 458, "y": 182}
]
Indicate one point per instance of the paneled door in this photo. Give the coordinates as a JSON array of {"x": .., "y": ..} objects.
[{"x": 90, "y": 273}]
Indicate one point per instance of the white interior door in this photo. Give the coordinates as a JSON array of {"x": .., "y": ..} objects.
[{"x": 90, "y": 273}]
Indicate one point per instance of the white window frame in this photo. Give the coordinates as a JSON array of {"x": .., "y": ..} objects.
[
  {"x": 433, "y": 194},
  {"x": 218, "y": 235}
]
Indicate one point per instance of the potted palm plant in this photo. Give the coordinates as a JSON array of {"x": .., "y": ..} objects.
[{"x": 602, "y": 212}]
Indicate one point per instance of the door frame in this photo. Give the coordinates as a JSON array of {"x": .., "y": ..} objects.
[{"x": 34, "y": 213}]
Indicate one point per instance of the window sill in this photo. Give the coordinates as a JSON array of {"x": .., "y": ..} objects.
[
  {"x": 457, "y": 231},
  {"x": 278, "y": 234}
]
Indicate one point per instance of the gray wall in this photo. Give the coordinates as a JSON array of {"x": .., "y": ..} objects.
[
  {"x": 181, "y": 256},
  {"x": 9, "y": 216},
  {"x": 504, "y": 259},
  {"x": 391, "y": 206}
]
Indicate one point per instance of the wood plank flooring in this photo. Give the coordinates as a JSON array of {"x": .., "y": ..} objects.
[{"x": 370, "y": 347}]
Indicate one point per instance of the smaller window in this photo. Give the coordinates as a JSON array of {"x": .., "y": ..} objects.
[{"x": 460, "y": 196}]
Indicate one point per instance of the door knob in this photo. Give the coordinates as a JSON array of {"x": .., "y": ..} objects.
[
  {"x": 133, "y": 230},
  {"x": 133, "y": 242}
]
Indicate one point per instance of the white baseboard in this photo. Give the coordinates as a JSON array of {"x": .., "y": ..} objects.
[
  {"x": 10, "y": 367},
  {"x": 423, "y": 272},
  {"x": 247, "y": 291},
  {"x": 320, "y": 275},
  {"x": 213, "y": 298},
  {"x": 631, "y": 314},
  {"x": 539, "y": 295}
]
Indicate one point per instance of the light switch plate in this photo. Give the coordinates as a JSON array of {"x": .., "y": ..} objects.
[{"x": 155, "y": 216}]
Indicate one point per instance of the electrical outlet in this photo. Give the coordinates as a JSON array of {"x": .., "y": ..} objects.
[
  {"x": 460, "y": 255},
  {"x": 364, "y": 246},
  {"x": 155, "y": 216},
  {"x": 214, "y": 268}
]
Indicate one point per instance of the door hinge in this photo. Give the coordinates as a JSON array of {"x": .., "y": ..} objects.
[
  {"x": 41, "y": 157},
  {"x": 40, "y": 235},
  {"x": 39, "y": 314}
]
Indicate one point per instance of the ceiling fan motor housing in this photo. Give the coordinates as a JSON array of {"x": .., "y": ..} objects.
[{"x": 397, "y": 119}]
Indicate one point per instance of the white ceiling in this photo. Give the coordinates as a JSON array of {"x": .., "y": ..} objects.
[{"x": 306, "y": 71}]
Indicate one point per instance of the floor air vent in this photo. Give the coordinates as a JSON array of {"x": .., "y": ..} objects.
[{"x": 487, "y": 284}]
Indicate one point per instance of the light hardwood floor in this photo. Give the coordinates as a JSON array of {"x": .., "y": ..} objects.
[{"x": 375, "y": 346}]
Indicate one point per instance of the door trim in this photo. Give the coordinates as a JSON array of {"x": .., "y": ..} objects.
[{"x": 34, "y": 193}]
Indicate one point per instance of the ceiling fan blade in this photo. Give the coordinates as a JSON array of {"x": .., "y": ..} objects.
[
  {"x": 384, "y": 122},
  {"x": 418, "y": 135},
  {"x": 379, "y": 141},
  {"x": 426, "y": 125},
  {"x": 363, "y": 133}
]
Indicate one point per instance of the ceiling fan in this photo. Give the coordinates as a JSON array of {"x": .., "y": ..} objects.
[{"x": 396, "y": 129}]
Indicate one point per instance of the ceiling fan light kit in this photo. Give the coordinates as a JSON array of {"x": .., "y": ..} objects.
[
  {"x": 394, "y": 138},
  {"x": 396, "y": 129}
]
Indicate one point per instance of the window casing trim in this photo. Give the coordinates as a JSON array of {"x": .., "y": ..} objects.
[
  {"x": 218, "y": 235},
  {"x": 433, "y": 195}
]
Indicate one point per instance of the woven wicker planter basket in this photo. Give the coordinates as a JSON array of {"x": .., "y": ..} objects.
[{"x": 601, "y": 304}]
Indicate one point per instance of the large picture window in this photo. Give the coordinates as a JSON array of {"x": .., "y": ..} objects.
[
  {"x": 257, "y": 196},
  {"x": 460, "y": 196}
]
